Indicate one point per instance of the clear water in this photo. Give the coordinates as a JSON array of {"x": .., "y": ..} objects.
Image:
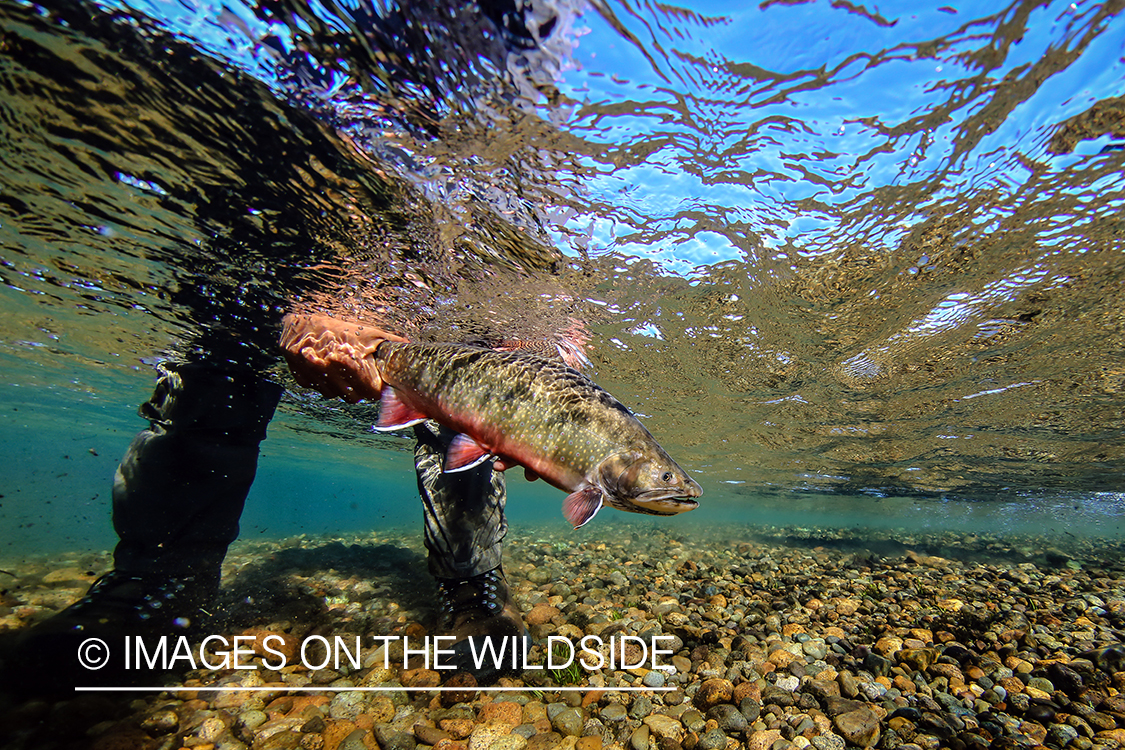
[{"x": 854, "y": 267}]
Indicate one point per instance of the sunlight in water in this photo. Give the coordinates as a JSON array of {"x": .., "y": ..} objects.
[{"x": 820, "y": 247}]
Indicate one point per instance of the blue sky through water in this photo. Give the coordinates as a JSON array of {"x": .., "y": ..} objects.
[
  {"x": 718, "y": 130},
  {"x": 774, "y": 110}
]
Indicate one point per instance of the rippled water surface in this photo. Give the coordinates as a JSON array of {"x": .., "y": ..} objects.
[{"x": 851, "y": 264}]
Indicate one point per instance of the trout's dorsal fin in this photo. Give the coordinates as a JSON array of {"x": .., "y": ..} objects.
[
  {"x": 394, "y": 413},
  {"x": 464, "y": 453},
  {"x": 581, "y": 506}
]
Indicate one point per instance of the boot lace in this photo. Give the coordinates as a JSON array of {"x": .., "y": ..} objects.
[
  {"x": 459, "y": 594},
  {"x": 130, "y": 595}
]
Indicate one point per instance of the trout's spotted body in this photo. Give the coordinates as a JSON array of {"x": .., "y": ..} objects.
[{"x": 538, "y": 413}]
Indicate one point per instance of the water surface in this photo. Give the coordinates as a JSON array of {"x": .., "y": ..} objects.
[{"x": 852, "y": 266}]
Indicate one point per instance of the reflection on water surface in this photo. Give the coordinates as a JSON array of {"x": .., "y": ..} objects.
[{"x": 820, "y": 247}]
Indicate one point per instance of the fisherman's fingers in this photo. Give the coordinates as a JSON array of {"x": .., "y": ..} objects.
[
  {"x": 291, "y": 330},
  {"x": 306, "y": 375},
  {"x": 343, "y": 388},
  {"x": 350, "y": 378},
  {"x": 503, "y": 464},
  {"x": 362, "y": 379},
  {"x": 312, "y": 370}
]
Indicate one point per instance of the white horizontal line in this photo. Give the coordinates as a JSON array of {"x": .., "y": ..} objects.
[{"x": 321, "y": 689}]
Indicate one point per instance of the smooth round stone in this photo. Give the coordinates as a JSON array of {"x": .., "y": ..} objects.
[
  {"x": 693, "y": 720},
  {"x": 750, "y": 708},
  {"x": 389, "y": 739},
  {"x": 568, "y": 723},
  {"x": 639, "y": 739},
  {"x": 730, "y": 719},
  {"x": 815, "y": 649},
  {"x": 992, "y": 696},
  {"x": 1040, "y": 713},
  {"x": 164, "y": 722},
  {"x": 653, "y": 679},
  {"x": 614, "y": 713},
  {"x": 849, "y": 685}
]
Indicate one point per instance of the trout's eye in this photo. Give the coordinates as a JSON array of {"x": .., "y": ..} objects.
[{"x": 667, "y": 477}]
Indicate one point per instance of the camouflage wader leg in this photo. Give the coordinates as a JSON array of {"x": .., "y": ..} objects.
[
  {"x": 465, "y": 524},
  {"x": 463, "y": 511}
]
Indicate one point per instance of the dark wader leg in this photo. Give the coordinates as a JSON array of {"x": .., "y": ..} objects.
[
  {"x": 180, "y": 489},
  {"x": 177, "y": 498}
]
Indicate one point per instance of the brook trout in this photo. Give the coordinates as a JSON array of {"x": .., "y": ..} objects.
[{"x": 538, "y": 413}]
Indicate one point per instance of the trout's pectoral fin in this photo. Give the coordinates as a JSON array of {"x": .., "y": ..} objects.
[
  {"x": 464, "y": 453},
  {"x": 581, "y": 506},
  {"x": 394, "y": 413}
]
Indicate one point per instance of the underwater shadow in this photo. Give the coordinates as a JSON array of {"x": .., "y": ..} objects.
[{"x": 293, "y": 586}]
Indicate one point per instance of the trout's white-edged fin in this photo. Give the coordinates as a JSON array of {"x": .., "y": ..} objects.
[
  {"x": 464, "y": 453},
  {"x": 581, "y": 506},
  {"x": 394, "y": 413}
]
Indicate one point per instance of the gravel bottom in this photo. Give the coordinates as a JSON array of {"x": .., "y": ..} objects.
[{"x": 779, "y": 638}]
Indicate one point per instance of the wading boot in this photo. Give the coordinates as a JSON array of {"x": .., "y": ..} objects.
[
  {"x": 491, "y": 638},
  {"x": 85, "y": 644}
]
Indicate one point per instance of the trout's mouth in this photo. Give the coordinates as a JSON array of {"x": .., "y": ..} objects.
[{"x": 662, "y": 503}]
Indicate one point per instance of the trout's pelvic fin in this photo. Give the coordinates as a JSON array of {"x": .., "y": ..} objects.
[
  {"x": 581, "y": 506},
  {"x": 394, "y": 413},
  {"x": 464, "y": 453}
]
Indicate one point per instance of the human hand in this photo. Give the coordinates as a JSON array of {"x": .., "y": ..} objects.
[
  {"x": 333, "y": 356},
  {"x": 503, "y": 464}
]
